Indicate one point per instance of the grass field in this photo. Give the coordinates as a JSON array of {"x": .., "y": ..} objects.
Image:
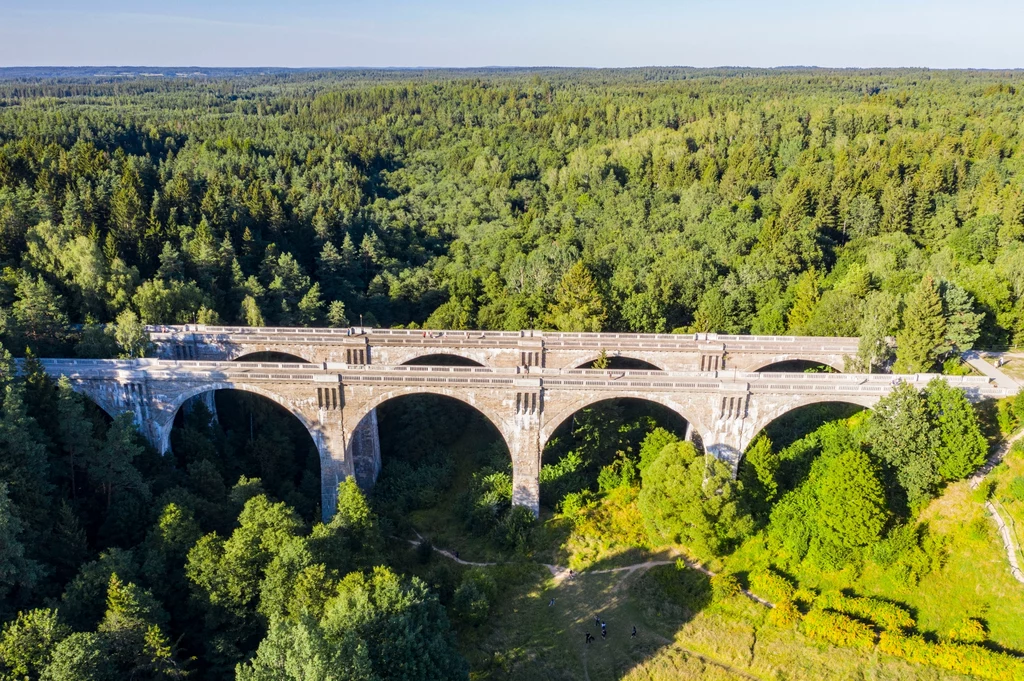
[{"x": 525, "y": 638}]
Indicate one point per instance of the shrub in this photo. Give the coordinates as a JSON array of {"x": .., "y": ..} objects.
[
  {"x": 562, "y": 478},
  {"x": 837, "y": 629},
  {"x": 968, "y": 631},
  {"x": 684, "y": 586},
  {"x": 954, "y": 366},
  {"x": 805, "y": 596},
  {"x": 619, "y": 473},
  {"x": 1016, "y": 488},
  {"x": 574, "y": 504},
  {"x": 979, "y": 530},
  {"x": 910, "y": 552},
  {"x": 772, "y": 586},
  {"x": 962, "y": 658},
  {"x": 424, "y": 551},
  {"x": 724, "y": 586},
  {"x": 784, "y": 614},
  {"x": 515, "y": 527},
  {"x": 473, "y": 597},
  {"x": 984, "y": 491},
  {"x": 884, "y": 614},
  {"x": 1006, "y": 415}
]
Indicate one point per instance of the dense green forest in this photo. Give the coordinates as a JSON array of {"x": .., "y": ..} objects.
[
  {"x": 872, "y": 203},
  {"x": 804, "y": 201}
]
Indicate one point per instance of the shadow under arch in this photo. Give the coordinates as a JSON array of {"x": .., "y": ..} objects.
[
  {"x": 621, "y": 362},
  {"x": 795, "y": 424},
  {"x": 597, "y": 430},
  {"x": 270, "y": 356},
  {"x": 799, "y": 366},
  {"x": 376, "y": 429},
  {"x": 442, "y": 359},
  {"x": 254, "y": 432}
]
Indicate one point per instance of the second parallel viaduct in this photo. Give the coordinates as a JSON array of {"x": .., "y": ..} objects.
[{"x": 545, "y": 349}]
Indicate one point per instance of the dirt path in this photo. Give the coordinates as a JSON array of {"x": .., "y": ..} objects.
[
  {"x": 1009, "y": 541},
  {"x": 560, "y": 574}
]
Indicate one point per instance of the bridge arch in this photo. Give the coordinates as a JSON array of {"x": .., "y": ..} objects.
[
  {"x": 773, "y": 415},
  {"x": 444, "y": 358},
  {"x": 617, "y": 361},
  {"x": 362, "y": 422},
  {"x": 271, "y": 356},
  {"x": 164, "y": 433},
  {"x": 767, "y": 363},
  {"x": 563, "y": 411}
]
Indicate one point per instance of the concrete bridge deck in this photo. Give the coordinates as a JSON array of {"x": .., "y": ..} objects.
[
  {"x": 337, "y": 401},
  {"x": 389, "y": 347}
]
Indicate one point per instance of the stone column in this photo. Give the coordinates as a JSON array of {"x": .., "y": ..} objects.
[
  {"x": 731, "y": 428},
  {"x": 329, "y": 436},
  {"x": 524, "y": 444},
  {"x": 365, "y": 450}
]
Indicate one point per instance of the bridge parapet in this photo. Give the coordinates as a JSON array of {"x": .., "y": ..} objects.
[{"x": 703, "y": 351}]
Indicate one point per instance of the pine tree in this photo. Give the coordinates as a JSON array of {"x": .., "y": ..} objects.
[
  {"x": 806, "y": 293},
  {"x": 962, "y": 322},
  {"x": 74, "y": 431},
  {"x": 578, "y": 305},
  {"x": 922, "y": 337}
]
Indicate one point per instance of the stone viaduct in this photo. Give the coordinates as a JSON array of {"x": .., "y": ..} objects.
[
  {"x": 526, "y": 401},
  {"x": 546, "y": 349}
]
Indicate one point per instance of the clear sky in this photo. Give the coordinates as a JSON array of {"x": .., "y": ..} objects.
[{"x": 304, "y": 33}]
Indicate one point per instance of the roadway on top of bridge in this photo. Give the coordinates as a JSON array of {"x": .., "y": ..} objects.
[{"x": 690, "y": 341}]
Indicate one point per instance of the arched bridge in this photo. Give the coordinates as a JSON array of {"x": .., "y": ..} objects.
[
  {"x": 336, "y": 401},
  {"x": 544, "y": 349}
]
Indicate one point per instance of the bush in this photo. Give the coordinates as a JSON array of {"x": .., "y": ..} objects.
[
  {"x": 954, "y": 366},
  {"x": 1016, "y": 488},
  {"x": 979, "y": 530},
  {"x": 772, "y": 586},
  {"x": 473, "y": 597},
  {"x": 574, "y": 504},
  {"x": 724, "y": 586},
  {"x": 984, "y": 491},
  {"x": 1006, "y": 415},
  {"x": 619, "y": 473},
  {"x": 514, "y": 529},
  {"x": 968, "y": 631},
  {"x": 562, "y": 478},
  {"x": 837, "y": 629},
  {"x": 424, "y": 551},
  {"x": 910, "y": 553},
  {"x": 885, "y": 615},
  {"x": 784, "y": 614},
  {"x": 961, "y": 658},
  {"x": 684, "y": 586}
]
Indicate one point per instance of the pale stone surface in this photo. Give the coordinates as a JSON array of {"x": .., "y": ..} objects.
[{"x": 336, "y": 398}]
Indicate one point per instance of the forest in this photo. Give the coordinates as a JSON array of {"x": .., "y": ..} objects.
[{"x": 886, "y": 204}]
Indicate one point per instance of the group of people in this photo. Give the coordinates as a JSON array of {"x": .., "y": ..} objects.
[{"x": 604, "y": 630}]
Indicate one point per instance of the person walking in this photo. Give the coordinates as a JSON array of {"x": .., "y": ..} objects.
[
  {"x": 633, "y": 635},
  {"x": 589, "y": 638},
  {"x": 552, "y": 602},
  {"x": 604, "y": 630}
]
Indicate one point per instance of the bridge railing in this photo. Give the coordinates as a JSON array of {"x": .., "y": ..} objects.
[{"x": 552, "y": 336}]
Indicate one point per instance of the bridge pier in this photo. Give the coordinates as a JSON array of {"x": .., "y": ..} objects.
[{"x": 524, "y": 445}]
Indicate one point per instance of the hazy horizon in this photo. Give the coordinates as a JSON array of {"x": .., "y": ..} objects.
[{"x": 459, "y": 34}]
